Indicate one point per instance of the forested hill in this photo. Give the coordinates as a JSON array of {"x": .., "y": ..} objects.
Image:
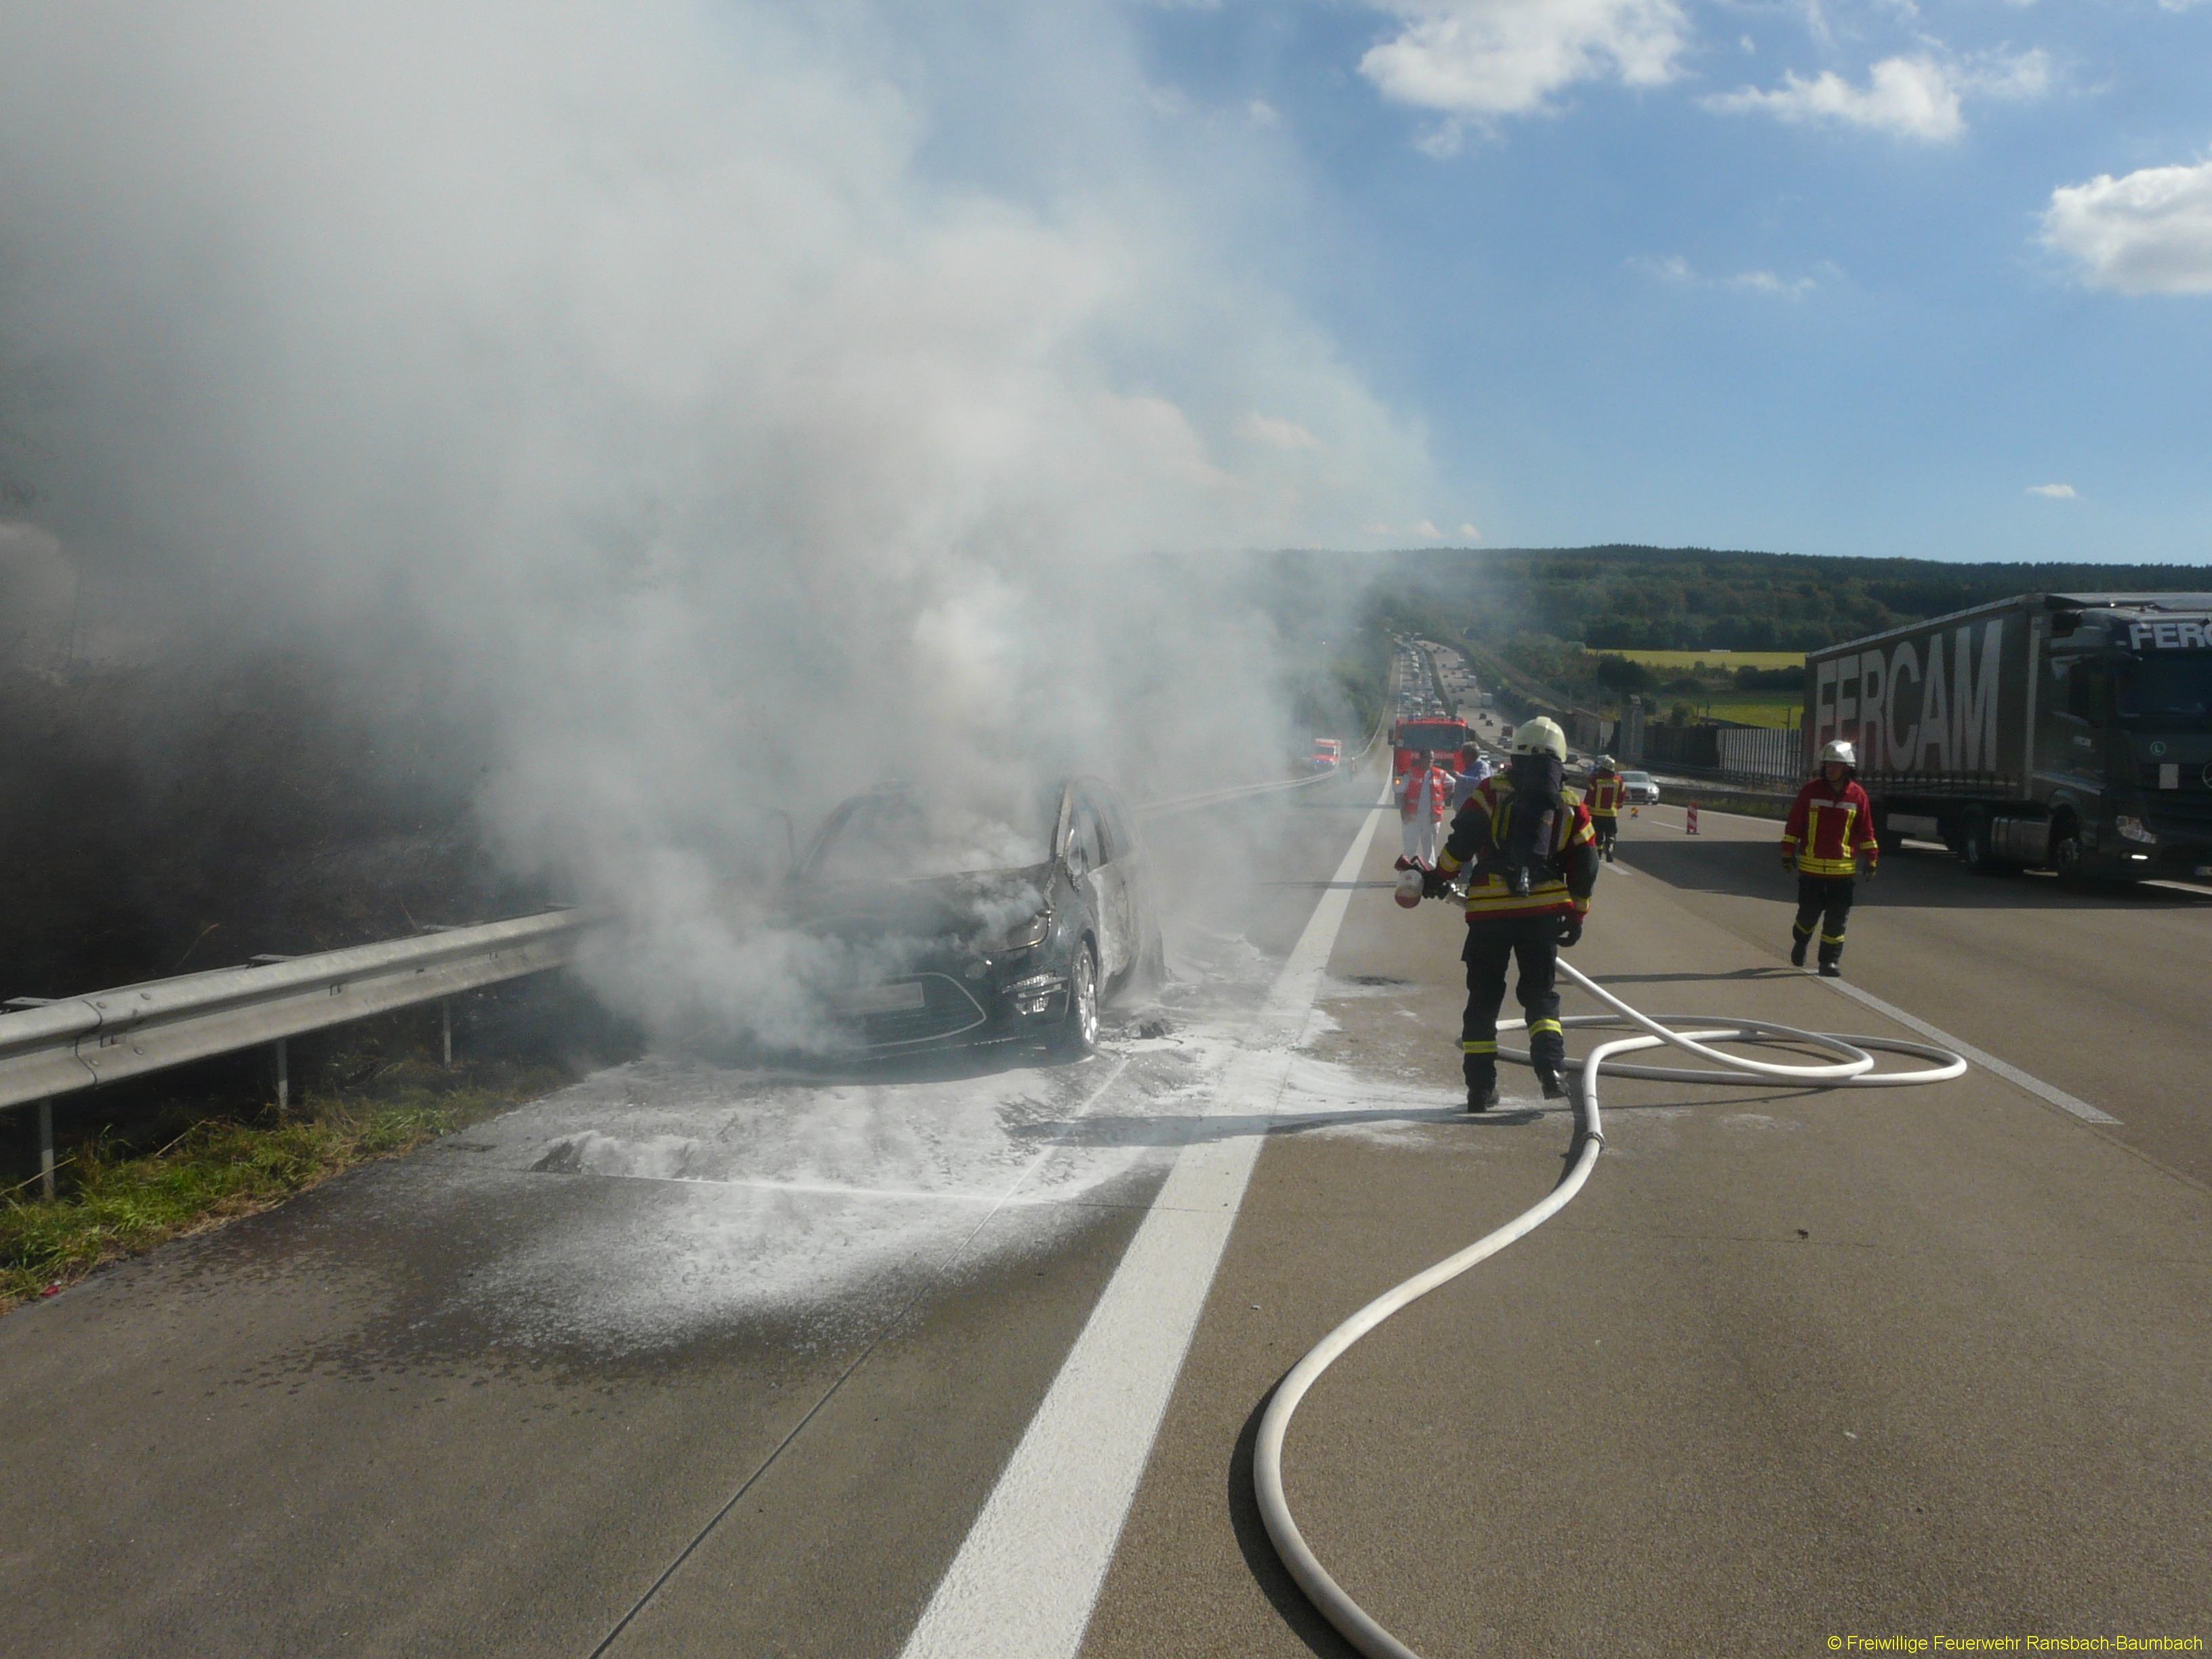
[{"x": 1688, "y": 598}]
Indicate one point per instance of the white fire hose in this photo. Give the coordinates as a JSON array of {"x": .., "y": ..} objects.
[{"x": 1853, "y": 1069}]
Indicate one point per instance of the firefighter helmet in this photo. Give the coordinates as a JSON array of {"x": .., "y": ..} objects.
[
  {"x": 1605, "y": 762},
  {"x": 1540, "y": 736},
  {"x": 1838, "y": 749}
]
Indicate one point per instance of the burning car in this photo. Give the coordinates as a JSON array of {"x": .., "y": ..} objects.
[{"x": 938, "y": 924}]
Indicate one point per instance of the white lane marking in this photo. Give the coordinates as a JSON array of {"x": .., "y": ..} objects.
[
  {"x": 2037, "y": 1087},
  {"x": 1024, "y": 1582}
]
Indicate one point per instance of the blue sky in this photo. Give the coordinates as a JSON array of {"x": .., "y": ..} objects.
[{"x": 1842, "y": 278}]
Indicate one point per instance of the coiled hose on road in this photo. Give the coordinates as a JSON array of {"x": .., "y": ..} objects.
[{"x": 1853, "y": 1069}]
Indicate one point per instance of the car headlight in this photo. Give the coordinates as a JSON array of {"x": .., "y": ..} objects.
[{"x": 1023, "y": 934}]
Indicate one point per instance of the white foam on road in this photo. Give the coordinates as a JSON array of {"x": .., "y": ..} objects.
[
  {"x": 1028, "y": 1575},
  {"x": 686, "y": 1195}
]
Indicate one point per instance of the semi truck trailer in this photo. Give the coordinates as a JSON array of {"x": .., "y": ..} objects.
[{"x": 2067, "y": 731}]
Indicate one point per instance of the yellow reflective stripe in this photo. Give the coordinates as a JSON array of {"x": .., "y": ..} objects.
[
  {"x": 1832, "y": 938},
  {"x": 1489, "y": 1048},
  {"x": 1812, "y": 866},
  {"x": 1447, "y": 863},
  {"x": 1536, "y": 1026},
  {"x": 1801, "y": 930}
]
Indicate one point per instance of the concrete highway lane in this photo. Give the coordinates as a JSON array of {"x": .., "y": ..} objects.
[
  {"x": 1797, "y": 1367},
  {"x": 683, "y": 1362}
]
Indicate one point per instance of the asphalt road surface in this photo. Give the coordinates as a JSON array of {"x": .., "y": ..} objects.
[{"x": 969, "y": 1359}]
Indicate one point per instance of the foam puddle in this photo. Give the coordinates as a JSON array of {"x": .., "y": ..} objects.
[{"x": 695, "y": 1196}]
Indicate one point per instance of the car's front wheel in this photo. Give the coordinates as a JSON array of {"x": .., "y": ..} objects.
[{"x": 1078, "y": 1033}]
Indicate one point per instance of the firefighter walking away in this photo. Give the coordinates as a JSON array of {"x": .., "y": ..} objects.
[
  {"x": 1606, "y": 792},
  {"x": 1530, "y": 856},
  {"x": 1830, "y": 824}
]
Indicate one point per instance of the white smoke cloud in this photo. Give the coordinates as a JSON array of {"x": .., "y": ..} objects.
[{"x": 652, "y": 362}]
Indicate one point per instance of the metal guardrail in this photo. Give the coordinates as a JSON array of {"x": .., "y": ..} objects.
[
  {"x": 70, "y": 1043},
  {"x": 1173, "y": 803}
]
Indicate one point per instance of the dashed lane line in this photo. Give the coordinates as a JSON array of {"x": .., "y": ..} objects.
[
  {"x": 2034, "y": 1085},
  {"x": 1028, "y": 1576}
]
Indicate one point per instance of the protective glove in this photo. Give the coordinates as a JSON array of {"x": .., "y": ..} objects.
[
  {"x": 1869, "y": 870},
  {"x": 1570, "y": 932},
  {"x": 1435, "y": 883},
  {"x": 1789, "y": 860}
]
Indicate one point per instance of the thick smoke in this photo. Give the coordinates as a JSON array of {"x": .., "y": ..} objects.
[{"x": 751, "y": 403}]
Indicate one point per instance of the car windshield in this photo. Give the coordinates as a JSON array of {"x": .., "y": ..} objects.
[
  {"x": 2151, "y": 688},
  {"x": 909, "y": 834},
  {"x": 1636, "y": 777}
]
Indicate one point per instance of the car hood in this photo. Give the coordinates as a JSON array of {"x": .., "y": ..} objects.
[{"x": 957, "y": 913}]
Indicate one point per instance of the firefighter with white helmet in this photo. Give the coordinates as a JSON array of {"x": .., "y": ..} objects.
[
  {"x": 1831, "y": 825},
  {"x": 1606, "y": 792},
  {"x": 1525, "y": 841}
]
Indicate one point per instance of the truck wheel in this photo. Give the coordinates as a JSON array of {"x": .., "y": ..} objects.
[
  {"x": 2065, "y": 855},
  {"x": 1974, "y": 846},
  {"x": 1078, "y": 1035}
]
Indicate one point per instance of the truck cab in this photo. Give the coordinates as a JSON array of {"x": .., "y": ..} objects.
[{"x": 2125, "y": 751}]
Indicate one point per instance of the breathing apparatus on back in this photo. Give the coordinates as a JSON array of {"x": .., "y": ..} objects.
[{"x": 1538, "y": 771}]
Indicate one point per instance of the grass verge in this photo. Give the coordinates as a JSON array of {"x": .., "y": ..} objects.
[{"x": 118, "y": 1201}]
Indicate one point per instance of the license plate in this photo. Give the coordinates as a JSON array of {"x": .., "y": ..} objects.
[{"x": 879, "y": 998}]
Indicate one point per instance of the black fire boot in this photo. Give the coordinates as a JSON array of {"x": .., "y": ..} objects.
[
  {"x": 1797, "y": 950},
  {"x": 1547, "y": 1053},
  {"x": 1832, "y": 961},
  {"x": 1481, "y": 1082}
]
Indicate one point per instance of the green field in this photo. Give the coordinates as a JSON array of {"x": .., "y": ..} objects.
[
  {"x": 1776, "y": 709},
  {"x": 1714, "y": 660}
]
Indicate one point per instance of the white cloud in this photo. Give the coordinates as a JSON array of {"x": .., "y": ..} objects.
[
  {"x": 2146, "y": 231},
  {"x": 1765, "y": 281},
  {"x": 2021, "y": 74},
  {"x": 1426, "y": 530},
  {"x": 2056, "y": 492},
  {"x": 1261, "y": 114},
  {"x": 1470, "y": 532},
  {"x": 1678, "y": 271},
  {"x": 1276, "y": 432},
  {"x": 1477, "y": 58},
  {"x": 1914, "y": 97}
]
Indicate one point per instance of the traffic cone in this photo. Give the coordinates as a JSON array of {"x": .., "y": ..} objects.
[{"x": 1690, "y": 819}]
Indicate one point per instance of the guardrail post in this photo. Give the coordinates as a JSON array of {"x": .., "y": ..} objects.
[
  {"x": 283, "y": 1078},
  {"x": 446, "y": 1030},
  {"x": 46, "y": 1148}
]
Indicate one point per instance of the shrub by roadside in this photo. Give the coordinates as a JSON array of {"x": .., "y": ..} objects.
[{"x": 116, "y": 1202}]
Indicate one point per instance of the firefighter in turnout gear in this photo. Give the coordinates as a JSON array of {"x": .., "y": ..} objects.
[
  {"x": 1606, "y": 792},
  {"x": 1530, "y": 856},
  {"x": 1829, "y": 825}
]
